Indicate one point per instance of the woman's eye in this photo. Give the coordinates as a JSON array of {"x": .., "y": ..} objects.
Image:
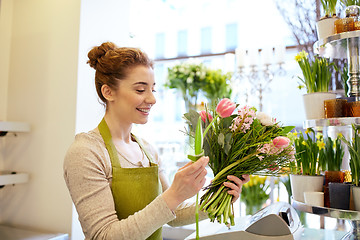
[{"x": 140, "y": 90}]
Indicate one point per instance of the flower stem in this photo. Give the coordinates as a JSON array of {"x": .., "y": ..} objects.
[{"x": 197, "y": 216}]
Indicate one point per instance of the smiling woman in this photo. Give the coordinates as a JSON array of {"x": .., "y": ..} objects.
[{"x": 116, "y": 179}]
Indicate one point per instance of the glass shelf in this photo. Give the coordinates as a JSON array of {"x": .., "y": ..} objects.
[
  {"x": 330, "y": 122},
  {"x": 6, "y": 127},
  {"x": 353, "y": 217},
  {"x": 336, "y": 46}
]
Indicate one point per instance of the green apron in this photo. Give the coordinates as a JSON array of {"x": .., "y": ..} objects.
[{"x": 132, "y": 188}]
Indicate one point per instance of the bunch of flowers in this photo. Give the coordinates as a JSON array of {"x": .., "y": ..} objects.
[
  {"x": 188, "y": 77},
  {"x": 316, "y": 74},
  {"x": 246, "y": 142},
  {"x": 254, "y": 193}
]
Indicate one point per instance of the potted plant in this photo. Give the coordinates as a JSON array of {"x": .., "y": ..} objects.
[
  {"x": 316, "y": 79},
  {"x": 354, "y": 150},
  {"x": 189, "y": 78},
  {"x": 326, "y": 24},
  {"x": 330, "y": 160},
  {"x": 217, "y": 86},
  {"x": 305, "y": 169}
]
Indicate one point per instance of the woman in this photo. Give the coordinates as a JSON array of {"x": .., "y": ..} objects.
[{"x": 114, "y": 178}]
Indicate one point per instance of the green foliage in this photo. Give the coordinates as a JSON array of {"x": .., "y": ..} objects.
[
  {"x": 354, "y": 150},
  {"x": 217, "y": 86},
  {"x": 329, "y": 7},
  {"x": 331, "y": 155},
  {"x": 347, "y": 3}
]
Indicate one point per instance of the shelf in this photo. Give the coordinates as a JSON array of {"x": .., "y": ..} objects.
[
  {"x": 14, "y": 233},
  {"x": 8, "y": 177},
  {"x": 336, "y": 46},
  {"x": 331, "y": 122},
  {"x": 13, "y": 127}
]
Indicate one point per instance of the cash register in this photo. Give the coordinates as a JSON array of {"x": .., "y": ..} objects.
[{"x": 278, "y": 221}]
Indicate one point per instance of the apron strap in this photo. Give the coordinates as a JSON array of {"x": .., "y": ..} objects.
[{"x": 106, "y": 135}]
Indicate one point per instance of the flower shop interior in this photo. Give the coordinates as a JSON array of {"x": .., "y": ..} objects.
[{"x": 269, "y": 55}]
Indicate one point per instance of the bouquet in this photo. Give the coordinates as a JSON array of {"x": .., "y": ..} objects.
[{"x": 246, "y": 142}]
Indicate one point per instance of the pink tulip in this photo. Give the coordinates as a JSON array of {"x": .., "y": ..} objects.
[
  {"x": 225, "y": 108},
  {"x": 204, "y": 115},
  {"x": 281, "y": 142}
]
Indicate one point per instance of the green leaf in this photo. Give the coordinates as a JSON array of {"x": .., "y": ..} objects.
[
  {"x": 286, "y": 130},
  {"x": 198, "y": 137},
  {"x": 221, "y": 139}
]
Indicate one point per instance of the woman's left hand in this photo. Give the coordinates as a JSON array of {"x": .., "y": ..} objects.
[{"x": 236, "y": 185}]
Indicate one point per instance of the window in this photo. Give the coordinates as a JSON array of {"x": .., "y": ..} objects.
[
  {"x": 231, "y": 36},
  {"x": 160, "y": 45},
  {"x": 182, "y": 43},
  {"x": 206, "y": 40}
]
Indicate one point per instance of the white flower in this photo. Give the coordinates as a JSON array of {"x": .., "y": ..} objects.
[
  {"x": 189, "y": 80},
  {"x": 264, "y": 119}
]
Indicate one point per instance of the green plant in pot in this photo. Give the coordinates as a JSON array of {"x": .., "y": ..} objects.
[
  {"x": 354, "y": 162},
  {"x": 217, "y": 86},
  {"x": 329, "y": 7},
  {"x": 305, "y": 169},
  {"x": 330, "y": 160},
  {"x": 316, "y": 76}
]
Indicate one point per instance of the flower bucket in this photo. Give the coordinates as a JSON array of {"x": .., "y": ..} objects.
[
  {"x": 314, "y": 104},
  {"x": 326, "y": 27},
  {"x": 356, "y": 197},
  {"x": 305, "y": 183}
]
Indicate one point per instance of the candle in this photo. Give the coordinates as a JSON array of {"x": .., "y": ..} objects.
[
  {"x": 267, "y": 55},
  {"x": 240, "y": 57},
  {"x": 229, "y": 62},
  {"x": 280, "y": 51}
]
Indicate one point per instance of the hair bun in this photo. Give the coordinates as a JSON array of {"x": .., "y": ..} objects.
[{"x": 98, "y": 52}]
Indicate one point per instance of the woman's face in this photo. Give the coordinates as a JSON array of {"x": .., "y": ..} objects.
[{"x": 135, "y": 96}]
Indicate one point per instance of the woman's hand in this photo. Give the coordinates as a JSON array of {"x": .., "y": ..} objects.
[
  {"x": 236, "y": 185},
  {"x": 187, "y": 182}
]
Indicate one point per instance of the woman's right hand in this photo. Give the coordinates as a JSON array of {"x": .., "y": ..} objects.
[{"x": 188, "y": 181}]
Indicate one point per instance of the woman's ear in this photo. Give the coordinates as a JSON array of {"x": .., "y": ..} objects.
[{"x": 107, "y": 92}]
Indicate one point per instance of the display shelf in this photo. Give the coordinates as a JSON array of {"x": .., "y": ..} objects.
[
  {"x": 6, "y": 127},
  {"x": 9, "y": 177},
  {"x": 353, "y": 217},
  {"x": 336, "y": 46},
  {"x": 330, "y": 122},
  {"x": 15, "y": 233}
]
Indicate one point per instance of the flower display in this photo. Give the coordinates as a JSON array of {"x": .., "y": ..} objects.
[{"x": 236, "y": 144}]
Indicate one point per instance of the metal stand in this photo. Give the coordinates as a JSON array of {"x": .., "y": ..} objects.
[
  {"x": 353, "y": 217},
  {"x": 344, "y": 45}
]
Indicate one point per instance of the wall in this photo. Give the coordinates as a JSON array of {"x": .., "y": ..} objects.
[{"x": 39, "y": 82}]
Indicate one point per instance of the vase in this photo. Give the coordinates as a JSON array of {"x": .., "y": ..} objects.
[
  {"x": 305, "y": 183},
  {"x": 339, "y": 194},
  {"x": 356, "y": 197},
  {"x": 354, "y": 109},
  {"x": 314, "y": 104},
  {"x": 326, "y": 27}
]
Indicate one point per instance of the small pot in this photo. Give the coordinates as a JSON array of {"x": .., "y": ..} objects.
[
  {"x": 326, "y": 27},
  {"x": 305, "y": 183},
  {"x": 339, "y": 194},
  {"x": 354, "y": 109},
  {"x": 314, "y": 104}
]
